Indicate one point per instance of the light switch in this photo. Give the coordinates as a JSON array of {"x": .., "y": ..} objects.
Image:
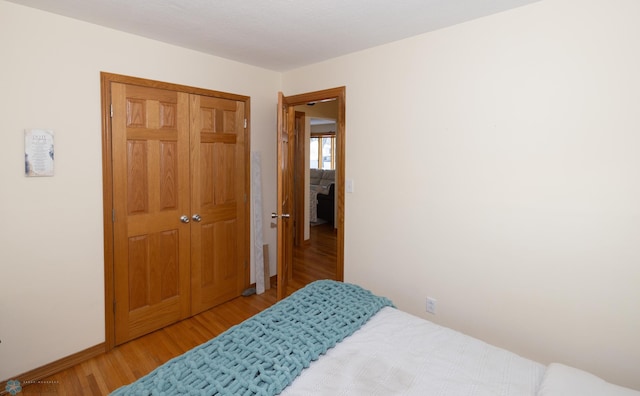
[{"x": 349, "y": 185}]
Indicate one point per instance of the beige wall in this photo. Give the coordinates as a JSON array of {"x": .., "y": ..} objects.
[
  {"x": 507, "y": 187},
  {"x": 51, "y": 254},
  {"x": 496, "y": 167}
]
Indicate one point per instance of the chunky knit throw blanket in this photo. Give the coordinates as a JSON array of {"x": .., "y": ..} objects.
[{"x": 265, "y": 353}]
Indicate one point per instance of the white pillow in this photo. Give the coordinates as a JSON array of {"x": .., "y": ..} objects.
[{"x": 561, "y": 380}]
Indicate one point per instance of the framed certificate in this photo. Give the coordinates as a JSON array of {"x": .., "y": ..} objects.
[{"x": 38, "y": 152}]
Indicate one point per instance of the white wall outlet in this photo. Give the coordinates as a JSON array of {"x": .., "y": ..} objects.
[{"x": 431, "y": 305}]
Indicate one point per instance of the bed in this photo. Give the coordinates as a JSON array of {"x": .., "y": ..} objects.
[{"x": 334, "y": 338}]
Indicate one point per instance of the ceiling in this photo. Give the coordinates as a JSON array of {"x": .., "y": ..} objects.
[{"x": 279, "y": 35}]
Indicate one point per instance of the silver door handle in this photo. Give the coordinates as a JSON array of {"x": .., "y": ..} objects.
[
  {"x": 184, "y": 218},
  {"x": 196, "y": 217},
  {"x": 274, "y": 215}
]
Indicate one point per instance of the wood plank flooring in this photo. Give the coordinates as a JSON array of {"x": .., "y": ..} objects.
[
  {"x": 316, "y": 259},
  {"x": 128, "y": 362}
]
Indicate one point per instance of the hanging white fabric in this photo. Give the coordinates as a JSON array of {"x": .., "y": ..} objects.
[{"x": 256, "y": 203}]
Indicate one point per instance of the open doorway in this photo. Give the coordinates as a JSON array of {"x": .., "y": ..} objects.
[
  {"x": 315, "y": 239},
  {"x": 316, "y": 163},
  {"x": 318, "y": 237}
]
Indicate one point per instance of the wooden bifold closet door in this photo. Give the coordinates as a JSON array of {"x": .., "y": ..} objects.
[{"x": 179, "y": 210}]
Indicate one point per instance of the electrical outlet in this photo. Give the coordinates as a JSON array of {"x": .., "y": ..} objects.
[{"x": 431, "y": 305}]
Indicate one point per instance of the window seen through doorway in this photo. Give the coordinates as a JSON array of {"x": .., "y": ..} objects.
[{"x": 322, "y": 152}]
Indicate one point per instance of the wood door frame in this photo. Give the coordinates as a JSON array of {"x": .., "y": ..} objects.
[
  {"x": 107, "y": 181},
  {"x": 338, "y": 93}
]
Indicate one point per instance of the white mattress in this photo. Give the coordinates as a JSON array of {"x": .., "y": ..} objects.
[{"x": 396, "y": 353}]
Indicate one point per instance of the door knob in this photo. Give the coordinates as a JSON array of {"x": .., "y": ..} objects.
[
  {"x": 184, "y": 218},
  {"x": 196, "y": 217}
]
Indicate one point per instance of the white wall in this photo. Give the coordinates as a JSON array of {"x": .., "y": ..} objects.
[
  {"x": 497, "y": 169},
  {"x": 51, "y": 233},
  {"x": 324, "y": 128},
  {"x": 509, "y": 191}
]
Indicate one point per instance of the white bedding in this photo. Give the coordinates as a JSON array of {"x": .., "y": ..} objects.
[{"x": 396, "y": 353}]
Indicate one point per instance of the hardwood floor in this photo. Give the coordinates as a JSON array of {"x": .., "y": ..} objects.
[
  {"x": 130, "y": 361},
  {"x": 316, "y": 259}
]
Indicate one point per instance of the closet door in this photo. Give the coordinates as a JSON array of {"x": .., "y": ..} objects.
[
  {"x": 151, "y": 191},
  {"x": 218, "y": 196}
]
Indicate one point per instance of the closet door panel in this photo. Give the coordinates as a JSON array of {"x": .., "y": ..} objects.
[
  {"x": 218, "y": 197},
  {"x": 150, "y": 129}
]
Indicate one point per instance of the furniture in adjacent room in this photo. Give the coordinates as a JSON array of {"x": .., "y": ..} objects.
[{"x": 322, "y": 195}]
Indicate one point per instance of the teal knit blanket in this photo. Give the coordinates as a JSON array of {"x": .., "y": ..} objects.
[{"x": 265, "y": 353}]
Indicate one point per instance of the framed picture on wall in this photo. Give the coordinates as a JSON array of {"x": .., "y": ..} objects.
[{"x": 38, "y": 152}]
